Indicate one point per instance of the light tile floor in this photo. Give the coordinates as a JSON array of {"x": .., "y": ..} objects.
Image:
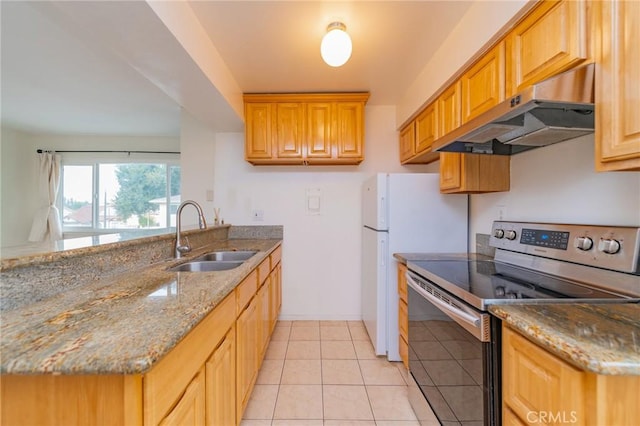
[{"x": 325, "y": 373}]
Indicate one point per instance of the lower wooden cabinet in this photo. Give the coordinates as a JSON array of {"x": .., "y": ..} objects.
[
  {"x": 474, "y": 173},
  {"x": 403, "y": 318},
  {"x": 534, "y": 381},
  {"x": 189, "y": 410},
  {"x": 264, "y": 323},
  {"x": 540, "y": 388},
  {"x": 206, "y": 379},
  {"x": 220, "y": 383},
  {"x": 247, "y": 355}
]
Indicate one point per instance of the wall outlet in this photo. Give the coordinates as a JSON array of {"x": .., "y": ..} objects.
[
  {"x": 209, "y": 194},
  {"x": 257, "y": 215}
]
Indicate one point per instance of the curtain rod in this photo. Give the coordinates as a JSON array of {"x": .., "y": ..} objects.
[{"x": 40, "y": 151}]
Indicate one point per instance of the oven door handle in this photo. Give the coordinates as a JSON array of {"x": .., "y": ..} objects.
[{"x": 448, "y": 309}]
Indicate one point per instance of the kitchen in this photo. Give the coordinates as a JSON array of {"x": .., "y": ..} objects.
[{"x": 547, "y": 184}]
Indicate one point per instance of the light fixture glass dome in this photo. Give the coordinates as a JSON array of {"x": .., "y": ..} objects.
[{"x": 336, "y": 45}]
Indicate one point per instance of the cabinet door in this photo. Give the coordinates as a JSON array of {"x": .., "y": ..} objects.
[
  {"x": 450, "y": 170},
  {"x": 426, "y": 128},
  {"x": 349, "y": 136},
  {"x": 534, "y": 381},
  {"x": 275, "y": 298},
  {"x": 189, "y": 411},
  {"x": 483, "y": 84},
  {"x": 220, "y": 383},
  {"x": 264, "y": 320},
  {"x": 552, "y": 39},
  {"x": 449, "y": 110},
  {"x": 258, "y": 136},
  {"x": 278, "y": 290},
  {"x": 246, "y": 355},
  {"x": 617, "y": 135},
  {"x": 407, "y": 142},
  {"x": 319, "y": 130},
  {"x": 289, "y": 130}
]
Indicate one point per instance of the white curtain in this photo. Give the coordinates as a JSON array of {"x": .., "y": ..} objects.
[{"x": 46, "y": 223}]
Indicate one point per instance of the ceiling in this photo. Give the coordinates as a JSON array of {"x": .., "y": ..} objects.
[{"x": 113, "y": 68}]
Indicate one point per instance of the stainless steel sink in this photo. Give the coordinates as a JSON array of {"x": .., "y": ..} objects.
[
  {"x": 227, "y": 255},
  {"x": 206, "y": 266}
]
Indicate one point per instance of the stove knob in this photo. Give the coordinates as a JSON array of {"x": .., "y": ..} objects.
[
  {"x": 511, "y": 235},
  {"x": 584, "y": 243},
  {"x": 498, "y": 233},
  {"x": 500, "y": 292},
  {"x": 511, "y": 295},
  {"x": 609, "y": 246}
]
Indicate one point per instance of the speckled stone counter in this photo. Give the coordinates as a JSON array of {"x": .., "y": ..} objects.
[
  {"x": 122, "y": 324},
  {"x": 600, "y": 338}
]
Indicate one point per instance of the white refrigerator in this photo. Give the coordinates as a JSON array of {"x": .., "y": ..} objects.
[{"x": 402, "y": 213}]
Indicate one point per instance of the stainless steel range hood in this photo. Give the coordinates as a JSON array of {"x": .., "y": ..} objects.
[{"x": 548, "y": 112}]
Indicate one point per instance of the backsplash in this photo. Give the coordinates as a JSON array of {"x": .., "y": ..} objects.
[
  {"x": 36, "y": 278},
  {"x": 482, "y": 245}
]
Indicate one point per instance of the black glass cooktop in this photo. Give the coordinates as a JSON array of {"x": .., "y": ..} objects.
[{"x": 485, "y": 282}]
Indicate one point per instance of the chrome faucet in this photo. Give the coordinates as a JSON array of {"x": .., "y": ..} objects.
[{"x": 185, "y": 247}]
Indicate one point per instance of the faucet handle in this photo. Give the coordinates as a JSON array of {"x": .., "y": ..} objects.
[{"x": 184, "y": 248}]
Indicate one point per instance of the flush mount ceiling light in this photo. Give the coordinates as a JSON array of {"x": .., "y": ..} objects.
[{"x": 336, "y": 45}]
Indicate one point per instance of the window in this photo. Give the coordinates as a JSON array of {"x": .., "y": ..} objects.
[{"x": 119, "y": 196}]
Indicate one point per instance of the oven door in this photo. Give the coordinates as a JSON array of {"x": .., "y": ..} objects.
[{"x": 453, "y": 357}]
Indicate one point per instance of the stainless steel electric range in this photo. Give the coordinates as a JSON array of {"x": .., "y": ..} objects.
[{"x": 454, "y": 343}]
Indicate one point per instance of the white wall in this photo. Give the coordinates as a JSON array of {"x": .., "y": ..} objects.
[
  {"x": 19, "y": 172},
  {"x": 558, "y": 184},
  {"x": 321, "y": 268},
  {"x": 481, "y": 22},
  {"x": 18, "y": 186},
  {"x": 197, "y": 159}
]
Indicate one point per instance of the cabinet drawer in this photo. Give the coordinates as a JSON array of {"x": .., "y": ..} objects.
[
  {"x": 402, "y": 282},
  {"x": 276, "y": 256},
  {"x": 246, "y": 290},
  {"x": 263, "y": 271}
]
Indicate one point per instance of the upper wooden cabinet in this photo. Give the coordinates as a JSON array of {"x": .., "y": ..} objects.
[
  {"x": 407, "y": 142},
  {"x": 289, "y": 130},
  {"x": 474, "y": 173},
  {"x": 483, "y": 85},
  {"x": 426, "y": 128},
  {"x": 449, "y": 109},
  {"x": 467, "y": 173},
  {"x": 552, "y": 39},
  {"x": 618, "y": 87},
  {"x": 323, "y": 128}
]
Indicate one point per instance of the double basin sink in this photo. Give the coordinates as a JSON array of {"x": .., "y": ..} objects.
[{"x": 215, "y": 261}]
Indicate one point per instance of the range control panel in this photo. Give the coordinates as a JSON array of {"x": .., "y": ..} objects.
[{"x": 609, "y": 247}]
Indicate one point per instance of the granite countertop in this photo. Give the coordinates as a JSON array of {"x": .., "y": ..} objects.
[
  {"x": 123, "y": 324},
  {"x": 600, "y": 338}
]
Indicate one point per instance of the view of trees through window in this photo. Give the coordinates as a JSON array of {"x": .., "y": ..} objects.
[{"x": 120, "y": 196}]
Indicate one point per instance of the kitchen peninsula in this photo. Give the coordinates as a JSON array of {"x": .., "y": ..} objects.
[{"x": 142, "y": 345}]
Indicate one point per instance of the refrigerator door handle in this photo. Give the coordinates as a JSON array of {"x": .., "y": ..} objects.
[
  {"x": 383, "y": 252},
  {"x": 383, "y": 213}
]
